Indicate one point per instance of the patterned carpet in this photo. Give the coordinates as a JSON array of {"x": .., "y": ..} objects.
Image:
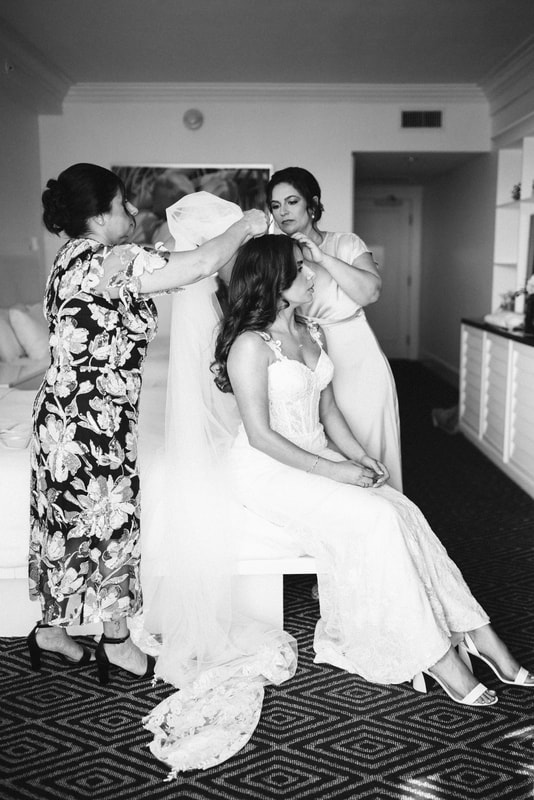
[{"x": 324, "y": 734}]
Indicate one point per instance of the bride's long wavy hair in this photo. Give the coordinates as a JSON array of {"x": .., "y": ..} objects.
[{"x": 263, "y": 269}]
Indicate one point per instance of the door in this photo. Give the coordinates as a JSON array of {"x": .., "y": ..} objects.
[{"x": 385, "y": 225}]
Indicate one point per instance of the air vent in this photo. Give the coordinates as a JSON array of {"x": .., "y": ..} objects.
[{"x": 421, "y": 119}]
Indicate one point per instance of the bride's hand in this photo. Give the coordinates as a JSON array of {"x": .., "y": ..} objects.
[
  {"x": 381, "y": 471},
  {"x": 354, "y": 473},
  {"x": 257, "y": 221}
]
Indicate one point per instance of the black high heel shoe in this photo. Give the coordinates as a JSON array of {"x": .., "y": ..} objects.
[
  {"x": 35, "y": 651},
  {"x": 103, "y": 663}
]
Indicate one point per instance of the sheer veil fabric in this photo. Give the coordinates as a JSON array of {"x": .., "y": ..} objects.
[{"x": 217, "y": 659}]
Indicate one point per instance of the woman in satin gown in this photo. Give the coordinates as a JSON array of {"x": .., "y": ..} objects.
[
  {"x": 393, "y": 604},
  {"x": 346, "y": 280}
]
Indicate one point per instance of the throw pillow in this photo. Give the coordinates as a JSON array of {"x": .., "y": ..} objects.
[
  {"x": 10, "y": 347},
  {"x": 31, "y": 329}
]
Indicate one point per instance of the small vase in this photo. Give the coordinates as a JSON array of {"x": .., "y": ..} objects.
[{"x": 529, "y": 313}]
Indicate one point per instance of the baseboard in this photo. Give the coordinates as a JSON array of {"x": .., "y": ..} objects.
[{"x": 443, "y": 370}]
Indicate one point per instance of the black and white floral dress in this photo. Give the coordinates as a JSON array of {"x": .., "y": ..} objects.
[{"x": 85, "y": 503}]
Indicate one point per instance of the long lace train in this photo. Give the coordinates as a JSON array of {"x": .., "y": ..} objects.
[{"x": 191, "y": 531}]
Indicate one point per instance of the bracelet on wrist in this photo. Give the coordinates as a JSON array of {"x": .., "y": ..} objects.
[{"x": 315, "y": 462}]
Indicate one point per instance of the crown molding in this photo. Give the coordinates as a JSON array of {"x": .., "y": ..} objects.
[
  {"x": 510, "y": 135},
  {"x": 502, "y": 79},
  {"x": 427, "y": 93},
  {"x": 509, "y": 88},
  {"x": 27, "y": 76}
]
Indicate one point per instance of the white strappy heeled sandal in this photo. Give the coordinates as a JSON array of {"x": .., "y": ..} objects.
[
  {"x": 471, "y": 698},
  {"x": 467, "y": 648}
]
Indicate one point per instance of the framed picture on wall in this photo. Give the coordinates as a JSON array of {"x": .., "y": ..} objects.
[
  {"x": 152, "y": 188},
  {"x": 530, "y": 256}
]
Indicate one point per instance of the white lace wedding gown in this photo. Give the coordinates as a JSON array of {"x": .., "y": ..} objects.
[{"x": 390, "y": 596}]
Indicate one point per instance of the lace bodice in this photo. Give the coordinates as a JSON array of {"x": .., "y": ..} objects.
[{"x": 294, "y": 393}]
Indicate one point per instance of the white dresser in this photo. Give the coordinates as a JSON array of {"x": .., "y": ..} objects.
[{"x": 497, "y": 397}]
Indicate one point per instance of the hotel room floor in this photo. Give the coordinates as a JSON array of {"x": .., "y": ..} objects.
[{"x": 324, "y": 734}]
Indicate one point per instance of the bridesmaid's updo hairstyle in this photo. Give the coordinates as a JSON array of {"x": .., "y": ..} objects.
[
  {"x": 80, "y": 192},
  {"x": 264, "y": 268},
  {"x": 305, "y": 184}
]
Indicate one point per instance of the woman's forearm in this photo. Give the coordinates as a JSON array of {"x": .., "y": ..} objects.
[
  {"x": 225, "y": 272},
  {"x": 360, "y": 280},
  {"x": 190, "y": 266},
  {"x": 160, "y": 272},
  {"x": 340, "y": 434},
  {"x": 280, "y": 448}
]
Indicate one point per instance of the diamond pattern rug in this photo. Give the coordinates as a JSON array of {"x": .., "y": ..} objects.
[{"x": 324, "y": 734}]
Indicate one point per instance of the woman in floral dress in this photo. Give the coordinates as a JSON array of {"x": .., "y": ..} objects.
[{"x": 85, "y": 504}]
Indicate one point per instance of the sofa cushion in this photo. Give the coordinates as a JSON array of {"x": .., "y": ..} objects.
[
  {"x": 31, "y": 329},
  {"x": 10, "y": 347}
]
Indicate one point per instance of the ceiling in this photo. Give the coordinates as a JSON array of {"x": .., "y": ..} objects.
[
  {"x": 271, "y": 41},
  {"x": 407, "y": 168},
  {"x": 279, "y": 41}
]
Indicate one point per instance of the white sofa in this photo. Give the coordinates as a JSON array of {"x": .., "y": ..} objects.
[{"x": 23, "y": 344}]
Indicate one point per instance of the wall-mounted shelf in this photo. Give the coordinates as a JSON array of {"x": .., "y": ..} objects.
[
  {"x": 517, "y": 203},
  {"x": 512, "y": 220}
]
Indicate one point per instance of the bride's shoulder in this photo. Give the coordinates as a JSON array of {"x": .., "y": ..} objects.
[
  {"x": 250, "y": 343},
  {"x": 248, "y": 356}
]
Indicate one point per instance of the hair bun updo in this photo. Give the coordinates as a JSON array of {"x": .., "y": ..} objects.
[
  {"x": 80, "y": 193},
  {"x": 55, "y": 212}
]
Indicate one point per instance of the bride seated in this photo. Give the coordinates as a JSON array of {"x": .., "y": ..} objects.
[
  {"x": 393, "y": 604},
  {"x": 259, "y": 441}
]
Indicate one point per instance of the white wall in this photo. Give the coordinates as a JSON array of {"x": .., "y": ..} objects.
[
  {"x": 319, "y": 133},
  {"x": 21, "y": 257},
  {"x": 314, "y": 133},
  {"x": 457, "y": 256}
]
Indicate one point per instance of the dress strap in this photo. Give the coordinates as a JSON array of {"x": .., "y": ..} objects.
[{"x": 274, "y": 344}]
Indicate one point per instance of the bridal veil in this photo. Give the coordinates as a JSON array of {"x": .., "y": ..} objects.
[{"x": 218, "y": 659}]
